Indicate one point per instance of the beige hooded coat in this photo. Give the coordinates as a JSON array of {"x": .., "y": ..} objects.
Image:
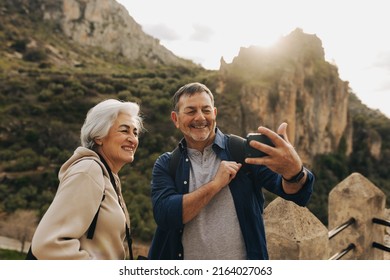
[{"x": 61, "y": 234}]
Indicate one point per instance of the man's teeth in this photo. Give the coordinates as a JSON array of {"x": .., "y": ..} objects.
[{"x": 128, "y": 148}]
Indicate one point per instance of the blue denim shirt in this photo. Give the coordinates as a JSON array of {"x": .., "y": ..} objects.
[{"x": 246, "y": 189}]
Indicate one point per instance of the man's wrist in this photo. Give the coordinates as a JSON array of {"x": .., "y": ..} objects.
[{"x": 297, "y": 177}]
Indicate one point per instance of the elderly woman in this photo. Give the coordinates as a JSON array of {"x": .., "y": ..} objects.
[{"x": 88, "y": 218}]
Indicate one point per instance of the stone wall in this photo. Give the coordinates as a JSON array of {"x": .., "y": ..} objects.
[{"x": 294, "y": 233}]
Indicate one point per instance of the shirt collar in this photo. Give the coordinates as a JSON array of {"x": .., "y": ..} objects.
[{"x": 219, "y": 141}]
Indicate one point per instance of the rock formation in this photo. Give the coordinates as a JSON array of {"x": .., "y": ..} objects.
[
  {"x": 291, "y": 82},
  {"x": 107, "y": 24}
]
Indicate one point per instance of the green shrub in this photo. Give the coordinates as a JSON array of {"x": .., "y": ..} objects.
[
  {"x": 45, "y": 95},
  {"x": 20, "y": 45},
  {"x": 35, "y": 55}
]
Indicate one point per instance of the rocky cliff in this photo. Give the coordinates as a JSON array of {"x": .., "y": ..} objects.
[
  {"x": 290, "y": 82},
  {"x": 106, "y": 24}
]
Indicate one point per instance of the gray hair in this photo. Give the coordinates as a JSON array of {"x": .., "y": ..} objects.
[
  {"x": 101, "y": 117},
  {"x": 190, "y": 89}
]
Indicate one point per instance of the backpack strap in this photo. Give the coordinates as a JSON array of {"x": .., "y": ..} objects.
[
  {"x": 236, "y": 148},
  {"x": 91, "y": 229},
  {"x": 127, "y": 231}
]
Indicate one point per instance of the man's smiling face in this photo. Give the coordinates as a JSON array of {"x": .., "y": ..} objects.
[{"x": 196, "y": 119}]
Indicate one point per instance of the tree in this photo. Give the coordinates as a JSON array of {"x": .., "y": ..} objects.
[{"x": 20, "y": 225}]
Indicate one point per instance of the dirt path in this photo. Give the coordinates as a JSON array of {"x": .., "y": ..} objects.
[{"x": 12, "y": 244}]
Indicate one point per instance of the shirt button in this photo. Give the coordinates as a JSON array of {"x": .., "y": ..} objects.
[
  {"x": 180, "y": 255},
  {"x": 185, "y": 182},
  {"x": 187, "y": 159}
]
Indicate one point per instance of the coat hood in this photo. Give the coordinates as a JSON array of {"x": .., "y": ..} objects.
[{"x": 79, "y": 155}]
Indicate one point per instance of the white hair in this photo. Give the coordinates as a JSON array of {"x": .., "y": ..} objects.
[{"x": 101, "y": 117}]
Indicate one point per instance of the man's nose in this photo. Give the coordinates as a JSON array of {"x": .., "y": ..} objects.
[{"x": 199, "y": 115}]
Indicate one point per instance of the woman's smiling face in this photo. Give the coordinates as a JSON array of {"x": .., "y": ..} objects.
[{"x": 119, "y": 145}]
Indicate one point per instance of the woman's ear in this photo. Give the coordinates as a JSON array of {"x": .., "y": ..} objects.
[{"x": 98, "y": 142}]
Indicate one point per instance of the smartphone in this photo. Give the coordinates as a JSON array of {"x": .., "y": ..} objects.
[{"x": 252, "y": 152}]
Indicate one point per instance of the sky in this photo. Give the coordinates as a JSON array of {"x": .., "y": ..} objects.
[{"x": 355, "y": 34}]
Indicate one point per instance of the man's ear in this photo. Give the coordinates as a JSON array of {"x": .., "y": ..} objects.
[{"x": 174, "y": 119}]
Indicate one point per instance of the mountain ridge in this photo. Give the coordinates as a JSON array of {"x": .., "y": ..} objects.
[{"x": 101, "y": 24}]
